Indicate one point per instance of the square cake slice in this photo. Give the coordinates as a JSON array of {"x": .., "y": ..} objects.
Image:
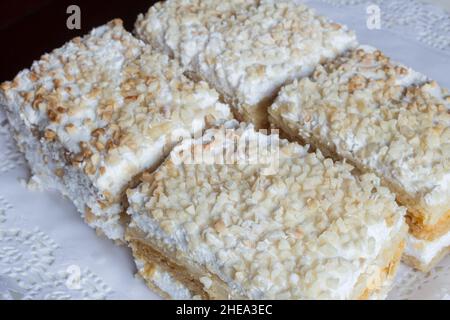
[
  {"x": 95, "y": 113},
  {"x": 386, "y": 119},
  {"x": 238, "y": 214},
  {"x": 245, "y": 49}
]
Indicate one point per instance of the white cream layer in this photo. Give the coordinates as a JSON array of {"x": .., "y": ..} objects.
[
  {"x": 425, "y": 251},
  {"x": 165, "y": 282}
]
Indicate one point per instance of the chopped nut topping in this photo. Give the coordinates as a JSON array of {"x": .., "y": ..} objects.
[
  {"x": 98, "y": 132},
  {"x": 262, "y": 45},
  {"x": 219, "y": 226},
  {"x": 53, "y": 116},
  {"x": 256, "y": 231},
  {"x": 356, "y": 83},
  {"x": 70, "y": 128}
]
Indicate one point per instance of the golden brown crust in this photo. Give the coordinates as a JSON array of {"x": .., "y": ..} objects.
[
  {"x": 190, "y": 220},
  {"x": 150, "y": 265}
]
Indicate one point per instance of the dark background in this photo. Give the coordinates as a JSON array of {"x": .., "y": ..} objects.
[{"x": 30, "y": 28}]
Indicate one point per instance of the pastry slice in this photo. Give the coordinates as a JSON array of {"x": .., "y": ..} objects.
[
  {"x": 383, "y": 118},
  {"x": 237, "y": 214},
  {"x": 95, "y": 113},
  {"x": 245, "y": 49}
]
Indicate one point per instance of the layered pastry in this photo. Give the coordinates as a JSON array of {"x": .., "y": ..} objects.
[
  {"x": 246, "y": 50},
  {"x": 95, "y": 113},
  {"x": 238, "y": 214},
  {"x": 386, "y": 119}
]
